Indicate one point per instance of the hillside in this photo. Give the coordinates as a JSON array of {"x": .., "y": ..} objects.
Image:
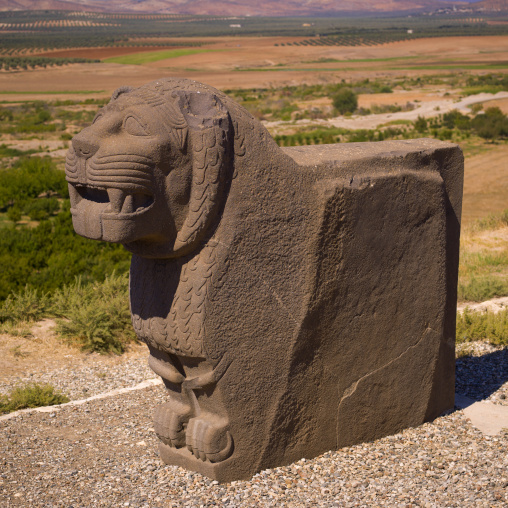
[
  {"x": 493, "y": 5},
  {"x": 232, "y": 7}
]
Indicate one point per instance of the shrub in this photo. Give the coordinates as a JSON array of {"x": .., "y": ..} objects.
[
  {"x": 31, "y": 395},
  {"x": 26, "y": 305},
  {"x": 345, "y": 101},
  {"x": 488, "y": 326},
  {"x": 40, "y": 209},
  {"x": 421, "y": 124},
  {"x": 97, "y": 315},
  {"x": 492, "y": 125},
  {"x": 30, "y": 177},
  {"x": 456, "y": 119},
  {"x": 94, "y": 316}
]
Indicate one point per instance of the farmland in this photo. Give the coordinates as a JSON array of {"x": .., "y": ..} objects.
[
  {"x": 39, "y": 31},
  {"x": 59, "y": 68}
]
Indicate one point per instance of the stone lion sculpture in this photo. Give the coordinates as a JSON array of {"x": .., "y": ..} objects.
[{"x": 252, "y": 265}]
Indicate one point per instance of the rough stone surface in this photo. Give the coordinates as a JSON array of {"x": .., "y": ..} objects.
[{"x": 293, "y": 301}]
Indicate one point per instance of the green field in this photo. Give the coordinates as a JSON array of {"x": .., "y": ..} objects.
[{"x": 154, "y": 56}]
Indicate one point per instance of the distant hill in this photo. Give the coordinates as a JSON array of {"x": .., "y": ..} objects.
[
  {"x": 30, "y": 5},
  {"x": 236, "y": 7},
  {"x": 493, "y": 5}
]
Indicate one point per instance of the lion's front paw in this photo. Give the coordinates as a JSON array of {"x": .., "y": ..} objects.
[
  {"x": 208, "y": 440},
  {"x": 170, "y": 421}
]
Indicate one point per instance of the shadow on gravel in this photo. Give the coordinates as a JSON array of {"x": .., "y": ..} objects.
[{"x": 478, "y": 377}]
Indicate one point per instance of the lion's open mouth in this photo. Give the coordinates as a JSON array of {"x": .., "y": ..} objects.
[{"x": 114, "y": 201}]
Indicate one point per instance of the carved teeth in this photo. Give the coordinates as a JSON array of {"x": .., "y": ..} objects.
[
  {"x": 116, "y": 199},
  {"x": 128, "y": 205}
]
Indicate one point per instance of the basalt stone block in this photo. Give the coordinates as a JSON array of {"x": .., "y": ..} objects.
[{"x": 293, "y": 300}]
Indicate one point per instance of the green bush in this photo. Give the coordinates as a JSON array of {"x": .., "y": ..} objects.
[
  {"x": 345, "y": 101},
  {"x": 97, "y": 315},
  {"x": 40, "y": 209},
  {"x": 31, "y": 395},
  {"x": 456, "y": 119},
  {"x": 487, "y": 326},
  {"x": 492, "y": 125},
  {"x": 420, "y": 124},
  {"x": 51, "y": 255},
  {"x": 26, "y": 305},
  {"x": 14, "y": 213}
]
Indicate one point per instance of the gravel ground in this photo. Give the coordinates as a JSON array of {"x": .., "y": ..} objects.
[
  {"x": 90, "y": 378},
  {"x": 483, "y": 373},
  {"x": 103, "y": 453}
]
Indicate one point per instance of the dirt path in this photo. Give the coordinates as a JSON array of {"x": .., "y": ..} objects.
[{"x": 429, "y": 108}]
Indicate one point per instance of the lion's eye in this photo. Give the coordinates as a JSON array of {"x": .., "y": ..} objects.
[
  {"x": 134, "y": 128},
  {"x": 98, "y": 116}
]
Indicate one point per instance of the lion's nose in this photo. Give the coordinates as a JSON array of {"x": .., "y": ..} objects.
[{"x": 84, "y": 146}]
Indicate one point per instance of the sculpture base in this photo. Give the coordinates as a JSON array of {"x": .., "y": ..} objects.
[{"x": 222, "y": 472}]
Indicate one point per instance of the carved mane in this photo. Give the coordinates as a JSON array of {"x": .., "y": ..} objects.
[
  {"x": 207, "y": 124},
  {"x": 198, "y": 120}
]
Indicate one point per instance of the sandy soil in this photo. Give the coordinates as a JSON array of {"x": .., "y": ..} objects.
[
  {"x": 485, "y": 184},
  {"x": 41, "y": 351},
  {"x": 502, "y": 104}
]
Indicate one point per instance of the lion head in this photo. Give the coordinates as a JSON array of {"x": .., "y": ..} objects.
[{"x": 152, "y": 169}]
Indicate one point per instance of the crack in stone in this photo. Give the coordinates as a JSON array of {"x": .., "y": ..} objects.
[
  {"x": 350, "y": 390},
  {"x": 280, "y": 302}
]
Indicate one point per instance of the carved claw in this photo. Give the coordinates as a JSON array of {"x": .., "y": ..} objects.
[
  {"x": 165, "y": 370},
  {"x": 208, "y": 441},
  {"x": 169, "y": 423}
]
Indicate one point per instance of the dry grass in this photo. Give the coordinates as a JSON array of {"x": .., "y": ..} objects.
[{"x": 483, "y": 271}]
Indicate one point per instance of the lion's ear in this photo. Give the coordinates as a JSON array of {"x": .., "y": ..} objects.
[
  {"x": 208, "y": 136},
  {"x": 120, "y": 91}
]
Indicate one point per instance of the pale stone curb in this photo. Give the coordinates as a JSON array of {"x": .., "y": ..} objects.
[
  {"x": 488, "y": 418},
  {"x": 51, "y": 409}
]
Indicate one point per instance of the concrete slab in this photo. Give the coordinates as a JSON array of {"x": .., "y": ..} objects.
[{"x": 488, "y": 418}]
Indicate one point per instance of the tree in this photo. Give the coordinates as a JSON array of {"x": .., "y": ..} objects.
[
  {"x": 345, "y": 101},
  {"x": 493, "y": 124},
  {"x": 421, "y": 124}
]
